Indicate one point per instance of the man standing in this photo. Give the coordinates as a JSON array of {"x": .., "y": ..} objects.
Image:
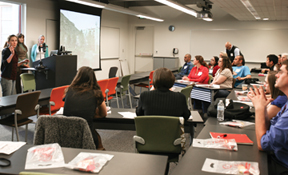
[
  {"x": 271, "y": 61},
  {"x": 232, "y": 51},
  {"x": 240, "y": 72},
  {"x": 185, "y": 70},
  {"x": 272, "y": 135}
]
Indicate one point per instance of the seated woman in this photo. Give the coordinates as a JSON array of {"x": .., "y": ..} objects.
[
  {"x": 199, "y": 73},
  {"x": 84, "y": 99},
  {"x": 213, "y": 65},
  {"x": 162, "y": 101},
  {"x": 279, "y": 97},
  {"x": 223, "y": 77}
]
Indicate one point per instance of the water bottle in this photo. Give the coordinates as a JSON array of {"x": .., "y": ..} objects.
[{"x": 220, "y": 111}]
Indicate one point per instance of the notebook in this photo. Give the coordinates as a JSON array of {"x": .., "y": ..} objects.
[{"x": 239, "y": 138}]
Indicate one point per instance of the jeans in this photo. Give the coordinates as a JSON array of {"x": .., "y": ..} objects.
[
  {"x": 7, "y": 86},
  {"x": 221, "y": 94}
]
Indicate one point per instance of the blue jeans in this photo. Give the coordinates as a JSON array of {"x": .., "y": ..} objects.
[{"x": 7, "y": 86}]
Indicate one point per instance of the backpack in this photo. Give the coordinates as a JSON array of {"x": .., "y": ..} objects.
[{"x": 234, "y": 110}]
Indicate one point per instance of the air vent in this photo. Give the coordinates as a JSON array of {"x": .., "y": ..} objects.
[{"x": 140, "y": 28}]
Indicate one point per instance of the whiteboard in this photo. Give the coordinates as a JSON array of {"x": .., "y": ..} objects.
[
  {"x": 254, "y": 44},
  {"x": 110, "y": 42}
]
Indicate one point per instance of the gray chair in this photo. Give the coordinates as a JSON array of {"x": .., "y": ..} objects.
[
  {"x": 72, "y": 132},
  {"x": 26, "y": 106}
]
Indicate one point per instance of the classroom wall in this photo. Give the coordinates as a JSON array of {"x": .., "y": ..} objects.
[{"x": 165, "y": 41}]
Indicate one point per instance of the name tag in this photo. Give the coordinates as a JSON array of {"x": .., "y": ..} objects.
[
  {"x": 185, "y": 67},
  {"x": 231, "y": 54},
  {"x": 237, "y": 70},
  {"x": 210, "y": 71},
  {"x": 199, "y": 73}
]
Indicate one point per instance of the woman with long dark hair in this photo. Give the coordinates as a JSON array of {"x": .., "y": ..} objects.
[
  {"x": 213, "y": 65},
  {"x": 21, "y": 51},
  {"x": 199, "y": 73},
  {"x": 84, "y": 99}
]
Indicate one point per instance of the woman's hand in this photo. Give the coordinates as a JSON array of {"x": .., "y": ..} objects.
[
  {"x": 12, "y": 50},
  {"x": 185, "y": 78}
]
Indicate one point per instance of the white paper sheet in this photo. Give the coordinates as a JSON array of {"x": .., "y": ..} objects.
[
  {"x": 128, "y": 114},
  {"x": 7, "y": 147}
]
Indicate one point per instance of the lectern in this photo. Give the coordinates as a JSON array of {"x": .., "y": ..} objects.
[{"x": 61, "y": 71}]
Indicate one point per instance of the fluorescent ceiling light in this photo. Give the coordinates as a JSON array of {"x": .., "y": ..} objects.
[
  {"x": 250, "y": 8},
  {"x": 178, "y": 6},
  {"x": 265, "y": 19},
  {"x": 115, "y": 8},
  {"x": 87, "y": 3},
  {"x": 151, "y": 18},
  {"x": 208, "y": 19}
]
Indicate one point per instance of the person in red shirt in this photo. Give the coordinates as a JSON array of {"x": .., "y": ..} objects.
[
  {"x": 213, "y": 66},
  {"x": 199, "y": 73}
]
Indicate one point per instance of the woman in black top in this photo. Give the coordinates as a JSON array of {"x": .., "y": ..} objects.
[
  {"x": 84, "y": 99},
  {"x": 162, "y": 101}
]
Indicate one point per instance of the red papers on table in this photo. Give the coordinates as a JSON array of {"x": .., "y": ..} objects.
[{"x": 239, "y": 138}]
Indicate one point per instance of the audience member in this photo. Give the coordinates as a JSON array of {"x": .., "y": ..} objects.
[
  {"x": 272, "y": 135},
  {"x": 39, "y": 50},
  {"x": 185, "y": 70},
  {"x": 223, "y": 77},
  {"x": 284, "y": 57},
  {"x": 9, "y": 66},
  {"x": 279, "y": 98},
  {"x": 232, "y": 51},
  {"x": 223, "y": 54},
  {"x": 199, "y": 72},
  {"x": 162, "y": 101},
  {"x": 271, "y": 61},
  {"x": 213, "y": 65},
  {"x": 240, "y": 72},
  {"x": 279, "y": 59},
  {"x": 84, "y": 99},
  {"x": 21, "y": 51}
]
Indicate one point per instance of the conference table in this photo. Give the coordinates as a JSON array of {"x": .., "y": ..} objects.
[
  {"x": 116, "y": 121},
  {"x": 194, "y": 158},
  {"x": 121, "y": 164}
]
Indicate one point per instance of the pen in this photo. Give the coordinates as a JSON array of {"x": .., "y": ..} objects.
[{"x": 222, "y": 136}]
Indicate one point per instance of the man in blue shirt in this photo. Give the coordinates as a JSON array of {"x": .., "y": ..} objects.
[
  {"x": 240, "y": 72},
  {"x": 272, "y": 135},
  {"x": 185, "y": 70}
]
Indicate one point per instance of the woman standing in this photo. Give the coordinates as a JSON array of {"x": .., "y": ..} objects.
[
  {"x": 9, "y": 66},
  {"x": 84, "y": 99},
  {"x": 223, "y": 77},
  {"x": 39, "y": 50},
  {"x": 199, "y": 73},
  {"x": 21, "y": 51},
  {"x": 213, "y": 66}
]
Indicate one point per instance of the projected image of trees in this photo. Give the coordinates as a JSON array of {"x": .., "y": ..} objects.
[{"x": 80, "y": 34}]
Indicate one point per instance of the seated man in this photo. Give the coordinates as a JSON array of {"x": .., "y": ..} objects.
[
  {"x": 185, "y": 70},
  {"x": 272, "y": 134},
  {"x": 271, "y": 61},
  {"x": 240, "y": 72}
]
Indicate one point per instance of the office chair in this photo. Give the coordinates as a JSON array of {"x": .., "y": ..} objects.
[
  {"x": 159, "y": 135},
  {"x": 72, "y": 132},
  {"x": 26, "y": 106},
  {"x": 187, "y": 91},
  {"x": 112, "y": 89},
  {"x": 28, "y": 82},
  {"x": 150, "y": 82},
  {"x": 103, "y": 85},
  {"x": 112, "y": 72},
  {"x": 124, "y": 87}
]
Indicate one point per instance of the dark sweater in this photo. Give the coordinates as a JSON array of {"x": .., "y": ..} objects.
[{"x": 163, "y": 102}]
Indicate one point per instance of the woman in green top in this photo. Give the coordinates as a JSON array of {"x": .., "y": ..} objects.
[{"x": 21, "y": 51}]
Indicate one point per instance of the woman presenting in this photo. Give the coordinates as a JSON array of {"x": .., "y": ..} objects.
[{"x": 9, "y": 66}]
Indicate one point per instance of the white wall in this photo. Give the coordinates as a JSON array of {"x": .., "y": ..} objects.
[{"x": 165, "y": 41}]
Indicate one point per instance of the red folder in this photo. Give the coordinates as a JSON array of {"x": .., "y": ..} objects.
[{"x": 239, "y": 138}]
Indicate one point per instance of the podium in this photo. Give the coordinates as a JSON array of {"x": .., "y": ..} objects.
[{"x": 60, "y": 71}]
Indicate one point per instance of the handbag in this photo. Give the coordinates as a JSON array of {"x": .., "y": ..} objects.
[{"x": 234, "y": 110}]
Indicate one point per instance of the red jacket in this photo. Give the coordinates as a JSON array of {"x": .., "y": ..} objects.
[
  {"x": 201, "y": 75},
  {"x": 215, "y": 68}
]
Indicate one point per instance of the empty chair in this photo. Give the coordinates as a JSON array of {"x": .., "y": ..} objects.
[
  {"x": 112, "y": 90},
  {"x": 159, "y": 135},
  {"x": 69, "y": 131},
  {"x": 187, "y": 91},
  {"x": 150, "y": 82},
  {"x": 113, "y": 72},
  {"x": 124, "y": 87},
  {"x": 26, "y": 106},
  {"x": 103, "y": 85},
  {"x": 56, "y": 101},
  {"x": 28, "y": 82},
  {"x": 210, "y": 79}
]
